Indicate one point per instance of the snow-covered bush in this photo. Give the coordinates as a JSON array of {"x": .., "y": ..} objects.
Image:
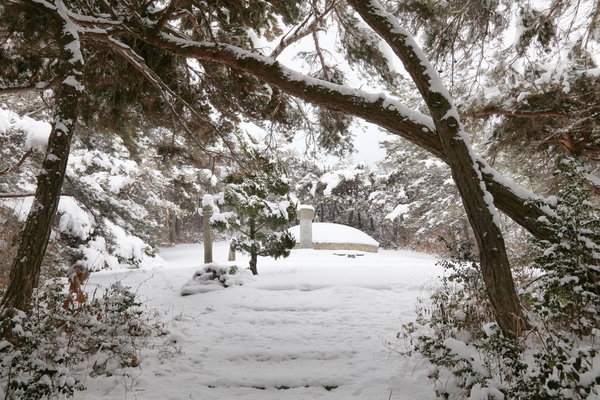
[
  {"x": 217, "y": 272},
  {"x": 556, "y": 358},
  {"x": 471, "y": 359},
  {"x": 40, "y": 350},
  {"x": 31, "y": 366},
  {"x": 568, "y": 292},
  {"x": 212, "y": 277}
]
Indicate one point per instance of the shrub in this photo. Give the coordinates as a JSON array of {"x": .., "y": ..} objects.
[
  {"x": 214, "y": 276},
  {"x": 216, "y": 272},
  {"x": 39, "y": 349}
]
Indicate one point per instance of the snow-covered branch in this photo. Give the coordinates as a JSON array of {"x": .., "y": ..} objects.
[
  {"x": 38, "y": 87},
  {"x": 309, "y": 26},
  {"x": 378, "y": 109}
]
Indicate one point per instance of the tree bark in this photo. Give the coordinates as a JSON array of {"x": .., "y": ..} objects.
[
  {"x": 253, "y": 263},
  {"x": 25, "y": 271},
  {"x": 253, "y": 254},
  {"x": 466, "y": 171}
]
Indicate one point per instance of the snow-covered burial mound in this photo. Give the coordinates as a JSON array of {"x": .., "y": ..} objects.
[{"x": 327, "y": 236}]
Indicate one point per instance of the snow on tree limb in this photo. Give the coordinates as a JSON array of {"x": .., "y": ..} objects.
[
  {"x": 375, "y": 108},
  {"x": 477, "y": 201},
  {"x": 378, "y": 109}
]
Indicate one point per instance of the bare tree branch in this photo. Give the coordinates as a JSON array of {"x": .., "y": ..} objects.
[
  {"x": 321, "y": 57},
  {"x": 38, "y": 87},
  {"x": 303, "y": 30},
  {"x": 15, "y": 195},
  {"x": 516, "y": 114},
  {"x": 168, "y": 12},
  {"x": 25, "y": 156}
]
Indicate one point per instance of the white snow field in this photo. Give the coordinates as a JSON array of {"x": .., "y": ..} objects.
[{"x": 312, "y": 326}]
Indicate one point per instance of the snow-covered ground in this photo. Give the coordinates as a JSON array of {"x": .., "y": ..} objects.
[{"x": 314, "y": 325}]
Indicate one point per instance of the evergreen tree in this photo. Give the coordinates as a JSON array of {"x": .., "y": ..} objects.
[
  {"x": 420, "y": 196},
  {"x": 259, "y": 204},
  {"x": 119, "y": 88}
]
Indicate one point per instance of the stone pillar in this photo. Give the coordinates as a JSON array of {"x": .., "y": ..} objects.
[
  {"x": 207, "y": 212},
  {"x": 306, "y": 215},
  {"x": 231, "y": 256}
]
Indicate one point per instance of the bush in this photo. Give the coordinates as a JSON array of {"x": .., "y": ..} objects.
[
  {"x": 216, "y": 272},
  {"x": 213, "y": 276},
  {"x": 39, "y": 349},
  {"x": 472, "y": 359}
]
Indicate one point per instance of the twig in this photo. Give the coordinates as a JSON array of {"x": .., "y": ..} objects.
[
  {"x": 25, "y": 156},
  {"x": 20, "y": 195}
]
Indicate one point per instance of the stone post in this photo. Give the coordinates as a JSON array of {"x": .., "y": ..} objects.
[
  {"x": 306, "y": 215},
  {"x": 231, "y": 256},
  {"x": 207, "y": 212}
]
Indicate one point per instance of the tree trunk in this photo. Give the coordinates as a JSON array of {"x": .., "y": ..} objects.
[
  {"x": 466, "y": 171},
  {"x": 25, "y": 272},
  {"x": 171, "y": 223},
  {"x": 253, "y": 262},
  {"x": 253, "y": 254}
]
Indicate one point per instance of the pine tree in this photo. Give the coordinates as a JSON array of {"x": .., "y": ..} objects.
[{"x": 259, "y": 204}]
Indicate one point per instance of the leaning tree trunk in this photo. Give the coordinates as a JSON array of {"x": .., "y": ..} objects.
[
  {"x": 25, "y": 271},
  {"x": 466, "y": 171}
]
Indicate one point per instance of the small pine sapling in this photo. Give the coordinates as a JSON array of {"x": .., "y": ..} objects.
[{"x": 259, "y": 204}]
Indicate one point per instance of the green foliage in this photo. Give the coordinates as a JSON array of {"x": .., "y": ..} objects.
[
  {"x": 30, "y": 367},
  {"x": 258, "y": 203},
  {"x": 460, "y": 303},
  {"x": 568, "y": 293}
]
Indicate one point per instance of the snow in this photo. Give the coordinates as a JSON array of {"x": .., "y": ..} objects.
[
  {"x": 208, "y": 200},
  {"x": 116, "y": 183},
  {"x": 36, "y": 132},
  {"x": 324, "y": 232},
  {"x": 310, "y": 326},
  {"x": 399, "y": 210},
  {"x": 74, "y": 47},
  {"x": 127, "y": 246},
  {"x": 593, "y": 179},
  {"x": 334, "y": 178},
  {"x": 73, "y": 219},
  {"x": 305, "y": 207},
  {"x": 71, "y": 80}
]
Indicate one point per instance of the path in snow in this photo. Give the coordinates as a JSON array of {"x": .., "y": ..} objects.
[{"x": 314, "y": 325}]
